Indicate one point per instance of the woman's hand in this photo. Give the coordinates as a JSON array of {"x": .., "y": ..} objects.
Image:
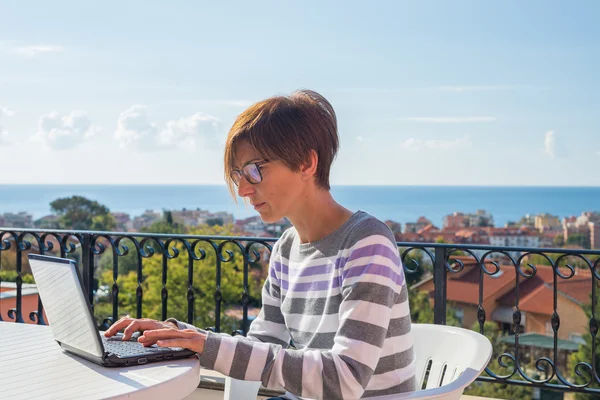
[
  {"x": 186, "y": 338},
  {"x": 132, "y": 325}
]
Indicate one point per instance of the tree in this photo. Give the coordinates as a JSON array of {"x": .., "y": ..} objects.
[
  {"x": 167, "y": 225},
  {"x": 79, "y": 213},
  {"x": 579, "y": 240},
  {"x": 204, "y": 284},
  {"x": 558, "y": 241},
  {"x": 214, "y": 221},
  {"x": 496, "y": 390},
  {"x": 584, "y": 354}
]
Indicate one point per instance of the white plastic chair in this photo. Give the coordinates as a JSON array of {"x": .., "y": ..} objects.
[{"x": 454, "y": 358}]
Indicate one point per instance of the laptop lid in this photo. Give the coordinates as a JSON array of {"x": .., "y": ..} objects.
[{"x": 67, "y": 308}]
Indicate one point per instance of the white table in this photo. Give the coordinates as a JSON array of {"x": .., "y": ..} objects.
[{"x": 33, "y": 366}]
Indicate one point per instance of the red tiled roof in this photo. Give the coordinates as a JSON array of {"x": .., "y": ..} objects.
[{"x": 536, "y": 293}]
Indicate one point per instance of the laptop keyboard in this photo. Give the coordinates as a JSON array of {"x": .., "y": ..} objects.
[{"x": 132, "y": 348}]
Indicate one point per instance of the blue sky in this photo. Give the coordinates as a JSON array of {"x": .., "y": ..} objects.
[{"x": 426, "y": 92}]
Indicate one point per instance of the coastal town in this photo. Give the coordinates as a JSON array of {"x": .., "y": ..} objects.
[{"x": 478, "y": 228}]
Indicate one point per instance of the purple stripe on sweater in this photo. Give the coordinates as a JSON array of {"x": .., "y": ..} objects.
[
  {"x": 376, "y": 249},
  {"x": 375, "y": 269}
]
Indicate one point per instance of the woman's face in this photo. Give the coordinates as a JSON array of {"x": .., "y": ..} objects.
[{"x": 278, "y": 194}]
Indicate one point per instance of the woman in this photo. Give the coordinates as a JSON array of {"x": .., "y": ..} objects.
[{"x": 336, "y": 286}]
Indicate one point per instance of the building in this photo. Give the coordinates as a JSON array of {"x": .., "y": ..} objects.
[
  {"x": 578, "y": 230},
  {"x": 535, "y": 301},
  {"x": 458, "y": 220},
  {"x": 514, "y": 237},
  {"x": 145, "y": 220},
  {"x": 48, "y": 222},
  {"x": 546, "y": 222},
  {"x": 29, "y": 302},
  {"x": 122, "y": 220},
  {"x": 18, "y": 220},
  {"x": 414, "y": 227},
  {"x": 594, "y": 228}
]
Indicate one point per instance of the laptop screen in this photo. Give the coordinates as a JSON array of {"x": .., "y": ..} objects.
[{"x": 66, "y": 307}]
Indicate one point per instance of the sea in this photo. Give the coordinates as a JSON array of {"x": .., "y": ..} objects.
[{"x": 399, "y": 203}]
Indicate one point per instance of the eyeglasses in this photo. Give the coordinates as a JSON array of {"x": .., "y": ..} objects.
[{"x": 250, "y": 171}]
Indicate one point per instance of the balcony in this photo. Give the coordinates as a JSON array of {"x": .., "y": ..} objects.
[{"x": 538, "y": 306}]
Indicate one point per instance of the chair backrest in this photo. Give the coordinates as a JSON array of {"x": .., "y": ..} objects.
[
  {"x": 443, "y": 353},
  {"x": 448, "y": 359}
]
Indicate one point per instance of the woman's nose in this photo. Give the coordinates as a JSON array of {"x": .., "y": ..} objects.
[{"x": 245, "y": 188}]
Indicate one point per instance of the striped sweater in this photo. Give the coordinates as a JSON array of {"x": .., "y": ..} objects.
[{"x": 335, "y": 321}]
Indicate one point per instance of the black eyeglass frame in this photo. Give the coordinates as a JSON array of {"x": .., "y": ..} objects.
[{"x": 240, "y": 172}]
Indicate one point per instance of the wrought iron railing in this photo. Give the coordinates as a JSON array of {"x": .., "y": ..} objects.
[{"x": 439, "y": 259}]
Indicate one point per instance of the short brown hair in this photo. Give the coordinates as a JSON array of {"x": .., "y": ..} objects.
[{"x": 287, "y": 128}]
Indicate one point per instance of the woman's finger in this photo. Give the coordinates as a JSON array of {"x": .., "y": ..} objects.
[
  {"x": 168, "y": 333},
  {"x": 180, "y": 342},
  {"x": 117, "y": 326}
]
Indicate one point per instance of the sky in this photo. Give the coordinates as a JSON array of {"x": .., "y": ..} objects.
[{"x": 426, "y": 92}]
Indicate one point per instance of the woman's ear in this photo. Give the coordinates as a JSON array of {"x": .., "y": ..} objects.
[{"x": 309, "y": 168}]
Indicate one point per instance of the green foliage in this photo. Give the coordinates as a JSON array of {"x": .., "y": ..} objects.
[
  {"x": 214, "y": 221},
  {"x": 414, "y": 260},
  {"x": 584, "y": 354},
  {"x": 79, "y": 213},
  {"x": 496, "y": 390},
  {"x": 11, "y": 276},
  {"x": 579, "y": 240},
  {"x": 499, "y": 391},
  {"x": 559, "y": 240},
  {"x": 204, "y": 284},
  {"x": 167, "y": 225},
  {"x": 421, "y": 310}
]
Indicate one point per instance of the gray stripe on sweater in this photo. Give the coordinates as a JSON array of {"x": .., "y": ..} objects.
[
  {"x": 403, "y": 295},
  {"x": 361, "y": 372},
  {"x": 272, "y": 314},
  {"x": 271, "y": 288},
  {"x": 268, "y": 339},
  {"x": 371, "y": 292},
  {"x": 211, "y": 350},
  {"x": 399, "y": 326},
  {"x": 363, "y": 331},
  {"x": 292, "y": 371},
  {"x": 312, "y": 340},
  {"x": 312, "y": 306},
  {"x": 331, "y": 381},
  {"x": 241, "y": 358},
  {"x": 268, "y": 366},
  {"x": 395, "y": 361},
  {"x": 409, "y": 385}
]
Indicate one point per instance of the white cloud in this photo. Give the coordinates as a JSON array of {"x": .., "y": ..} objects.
[
  {"x": 134, "y": 127},
  {"x": 4, "y": 112},
  {"x": 185, "y": 132},
  {"x": 448, "y": 120},
  {"x": 136, "y": 130},
  {"x": 32, "y": 51},
  {"x": 550, "y": 144},
  {"x": 360, "y": 139},
  {"x": 65, "y": 131},
  {"x": 436, "y": 144},
  {"x": 29, "y": 50},
  {"x": 480, "y": 88}
]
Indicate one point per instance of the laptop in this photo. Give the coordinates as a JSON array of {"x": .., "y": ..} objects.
[{"x": 73, "y": 324}]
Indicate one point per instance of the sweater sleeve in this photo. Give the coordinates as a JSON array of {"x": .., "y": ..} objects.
[{"x": 371, "y": 310}]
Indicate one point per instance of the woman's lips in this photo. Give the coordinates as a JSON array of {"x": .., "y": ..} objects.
[{"x": 257, "y": 206}]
